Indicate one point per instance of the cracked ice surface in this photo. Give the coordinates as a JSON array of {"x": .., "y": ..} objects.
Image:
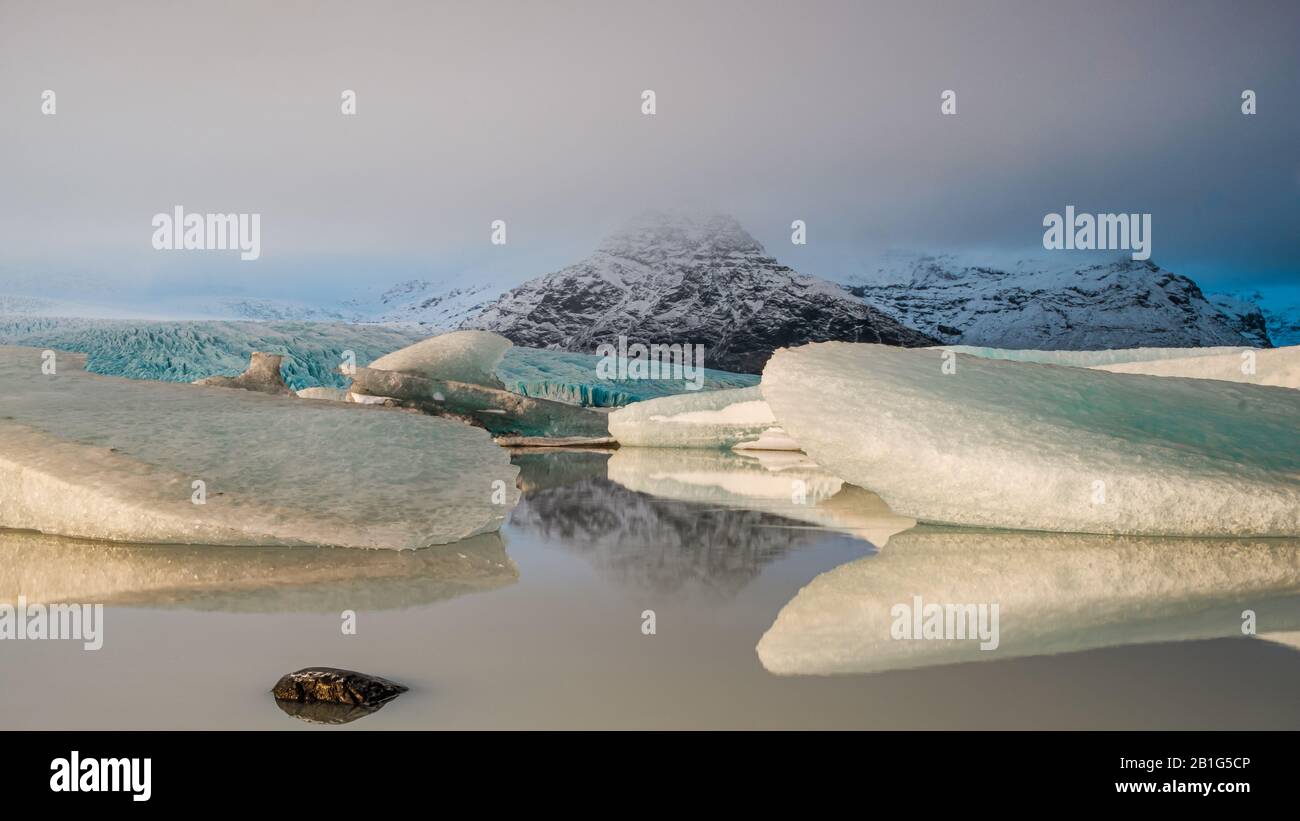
[
  {"x": 1044, "y": 447},
  {"x": 103, "y": 457}
]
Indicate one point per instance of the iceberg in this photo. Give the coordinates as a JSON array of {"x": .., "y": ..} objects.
[
  {"x": 714, "y": 419},
  {"x": 459, "y": 356},
  {"x": 514, "y": 419},
  {"x": 570, "y": 377},
  {"x": 1267, "y": 366},
  {"x": 102, "y": 457},
  {"x": 1055, "y": 593},
  {"x": 1043, "y": 447},
  {"x": 789, "y": 485}
]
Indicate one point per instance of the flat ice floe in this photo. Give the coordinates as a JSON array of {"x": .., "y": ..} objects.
[
  {"x": 786, "y": 484},
  {"x": 1089, "y": 359},
  {"x": 707, "y": 419},
  {"x": 1043, "y": 447},
  {"x": 108, "y": 458},
  {"x": 1055, "y": 592}
]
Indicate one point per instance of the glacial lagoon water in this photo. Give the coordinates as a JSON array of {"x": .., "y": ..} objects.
[{"x": 769, "y": 612}]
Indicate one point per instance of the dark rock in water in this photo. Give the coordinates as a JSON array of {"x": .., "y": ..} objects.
[
  {"x": 263, "y": 376},
  {"x": 328, "y": 688}
]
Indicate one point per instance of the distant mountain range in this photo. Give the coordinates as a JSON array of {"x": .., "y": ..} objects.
[
  {"x": 1055, "y": 304},
  {"x": 669, "y": 279}
]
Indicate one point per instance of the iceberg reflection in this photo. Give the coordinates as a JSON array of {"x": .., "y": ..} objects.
[{"x": 1056, "y": 592}]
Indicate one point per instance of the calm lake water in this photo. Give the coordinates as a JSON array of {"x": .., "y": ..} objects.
[{"x": 771, "y": 585}]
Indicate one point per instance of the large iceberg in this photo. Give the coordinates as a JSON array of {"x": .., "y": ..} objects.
[
  {"x": 714, "y": 419},
  {"x": 109, "y": 458},
  {"x": 1055, "y": 593},
  {"x": 1041, "y": 447}
]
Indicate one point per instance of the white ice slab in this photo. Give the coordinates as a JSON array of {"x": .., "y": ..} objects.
[
  {"x": 1266, "y": 366},
  {"x": 783, "y": 483},
  {"x": 707, "y": 419},
  {"x": 104, "y": 457},
  {"x": 1044, "y": 447}
]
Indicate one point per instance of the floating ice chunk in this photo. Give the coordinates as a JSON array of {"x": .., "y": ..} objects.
[
  {"x": 109, "y": 458},
  {"x": 327, "y": 394},
  {"x": 712, "y": 419},
  {"x": 770, "y": 439},
  {"x": 262, "y": 375},
  {"x": 570, "y": 377},
  {"x": 1028, "y": 446},
  {"x": 503, "y": 413},
  {"x": 1275, "y": 366},
  {"x": 1055, "y": 593},
  {"x": 459, "y": 356},
  {"x": 46, "y": 569},
  {"x": 787, "y": 484},
  {"x": 1089, "y": 359}
]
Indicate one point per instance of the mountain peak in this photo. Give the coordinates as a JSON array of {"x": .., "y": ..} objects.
[{"x": 656, "y": 236}]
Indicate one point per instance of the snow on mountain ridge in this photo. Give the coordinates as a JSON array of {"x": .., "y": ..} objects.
[
  {"x": 671, "y": 279},
  {"x": 1073, "y": 303}
]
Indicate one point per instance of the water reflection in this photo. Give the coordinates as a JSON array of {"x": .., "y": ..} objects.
[
  {"x": 1056, "y": 593},
  {"x": 247, "y": 579}
]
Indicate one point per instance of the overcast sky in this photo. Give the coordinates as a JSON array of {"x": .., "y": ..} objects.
[{"x": 530, "y": 112}]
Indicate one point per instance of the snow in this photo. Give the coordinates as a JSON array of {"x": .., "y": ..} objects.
[
  {"x": 566, "y": 376},
  {"x": 1055, "y": 593},
  {"x": 1032, "y": 446},
  {"x": 108, "y": 458},
  {"x": 713, "y": 419},
  {"x": 459, "y": 356},
  {"x": 785, "y": 484},
  {"x": 1049, "y": 300},
  {"x": 1276, "y": 366}
]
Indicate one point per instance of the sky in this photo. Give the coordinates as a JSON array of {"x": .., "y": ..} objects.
[{"x": 530, "y": 113}]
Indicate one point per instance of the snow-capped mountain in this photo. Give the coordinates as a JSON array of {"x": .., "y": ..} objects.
[
  {"x": 668, "y": 279},
  {"x": 1281, "y": 323},
  {"x": 1053, "y": 304},
  {"x": 1245, "y": 315}
]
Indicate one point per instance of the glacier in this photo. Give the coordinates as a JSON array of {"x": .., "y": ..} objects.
[
  {"x": 184, "y": 351},
  {"x": 102, "y": 457},
  {"x": 1056, "y": 593},
  {"x": 1043, "y": 447}
]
